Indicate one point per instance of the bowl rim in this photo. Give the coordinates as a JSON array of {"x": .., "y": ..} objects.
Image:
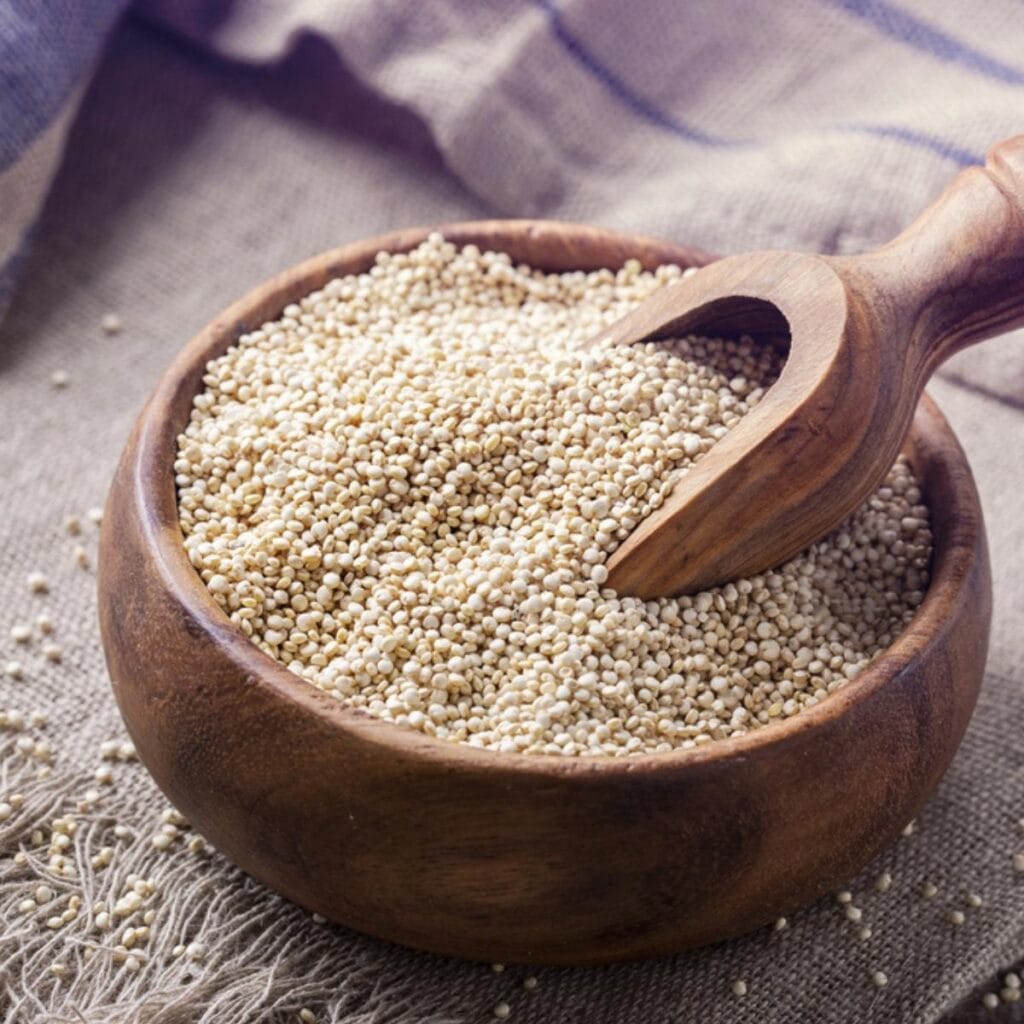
[{"x": 156, "y": 434}]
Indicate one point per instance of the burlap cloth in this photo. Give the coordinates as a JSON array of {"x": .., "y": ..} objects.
[{"x": 188, "y": 179}]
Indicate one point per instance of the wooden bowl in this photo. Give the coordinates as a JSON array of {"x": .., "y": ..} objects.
[{"x": 498, "y": 856}]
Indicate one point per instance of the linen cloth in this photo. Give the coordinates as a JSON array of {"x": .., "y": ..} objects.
[{"x": 220, "y": 142}]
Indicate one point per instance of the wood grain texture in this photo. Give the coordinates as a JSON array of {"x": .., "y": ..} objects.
[
  {"x": 865, "y": 334},
  {"x": 506, "y": 857}
]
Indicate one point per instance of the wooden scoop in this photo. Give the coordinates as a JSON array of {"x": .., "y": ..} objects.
[{"x": 865, "y": 333}]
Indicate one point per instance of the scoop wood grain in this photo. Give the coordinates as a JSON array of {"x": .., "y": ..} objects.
[
  {"x": 498, "y": 856},
  {"x": 865, "y": 333}
]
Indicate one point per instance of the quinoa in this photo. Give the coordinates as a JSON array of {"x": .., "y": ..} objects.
[{"x": 407, "y": 487}]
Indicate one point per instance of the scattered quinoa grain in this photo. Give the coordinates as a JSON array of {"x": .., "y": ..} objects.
[
  {"x": 853, "y": 913},
  {"x": 956, "y": 917},
  {"x": 14, "y": 669},
  {"x": 502, "y": 1010},
  {"x": 974, "y": 900},
  {"x": 51, "y": 651},
  {"x": 60, "y": 378},
  {"x": 1011, "y": 980},
  {"x": 21, "y": 634},
  {"x": 844, "y": 896},
  {"x": 81, "y": 556},
  {"x": 497, "y": 968},
  {"x": 1018, "y": 862},
  {"x": 72, "y": 526},
  {"x": 530, "y": 982},
  {"x": 44, "y": 623},
  {"x": 95, "y": 515},
  {"x": 1010, "y": 995},
  {"x": 739, "y": 988},
  {"x": 37, "y": 583},
  {"x": 780, "y": 924},
  {"x": 879, "y": 979},
  {"x": 908, "y": 829},
  {"x": 6, "y": 810},
  {"x": 307, "y": 1016},
  {"x": 990, "y": 1001},
  {"x": 864, "y": 934},
  {"x": 110, "y": 323},
  {"x": 928, "y": 891},
  {"x": 884, "y": 882}
]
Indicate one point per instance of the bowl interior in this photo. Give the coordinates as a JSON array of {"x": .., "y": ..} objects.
[{"x": 931, "y": 448}]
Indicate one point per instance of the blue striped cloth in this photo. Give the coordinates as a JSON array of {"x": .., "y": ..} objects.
[{"x": 815, "y": 123}]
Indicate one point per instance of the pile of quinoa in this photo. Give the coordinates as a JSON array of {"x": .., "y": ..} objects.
[{"x": 407, "y": 487}]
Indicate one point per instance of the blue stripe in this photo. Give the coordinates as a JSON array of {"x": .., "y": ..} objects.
[
  {"x": 650, "y": 112},
  {"x": 938, "y": 146},
  {"x": 46, "y": 46},
  {"x": 621, "y": 90},
  {"x": 905, "y": 27}
]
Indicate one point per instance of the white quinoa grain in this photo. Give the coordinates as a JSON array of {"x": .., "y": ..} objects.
[
  {"x": 60, "y": 378},
  {"x": 990, "y": 1001},
  {"x": 502, "y": 1011},
  {"x": 739, "y": 988},
  {"x": 110, "y": 323},
  {"x": 1018, "y": 862},
  {"x": 37, "y": 582},
  {"x": 879, "y": 979},
  {"x": 530, "y": 982},
  {"x": 407, "y": 488},
  {"x": 884, "y": 882},
  {"x": 956, "y": 917}
]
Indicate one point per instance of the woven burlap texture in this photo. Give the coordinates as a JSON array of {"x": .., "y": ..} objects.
[{"x": 186, "y": 182}]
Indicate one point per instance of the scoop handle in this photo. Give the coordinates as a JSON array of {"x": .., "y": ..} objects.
[{"x": 955, "y": 276}]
